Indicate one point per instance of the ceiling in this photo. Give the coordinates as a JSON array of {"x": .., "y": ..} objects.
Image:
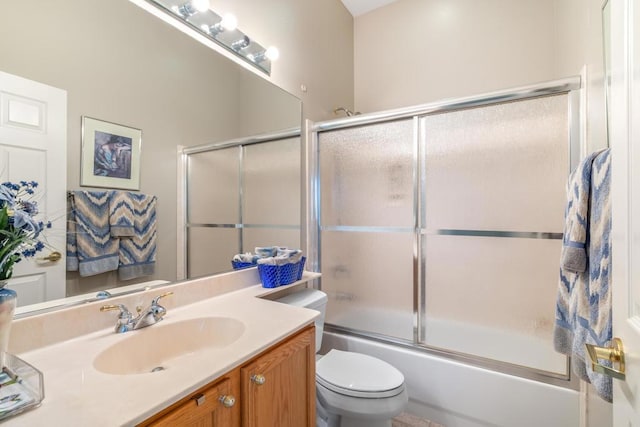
[{"x": 360, "y": 7}]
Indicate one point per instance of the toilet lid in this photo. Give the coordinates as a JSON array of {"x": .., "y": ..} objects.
[{"x": 357, "y": 374}]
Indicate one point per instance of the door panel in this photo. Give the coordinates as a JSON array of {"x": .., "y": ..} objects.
[
  {"x": 625, "y": 188},
  {"x": 33, "y": 132}
]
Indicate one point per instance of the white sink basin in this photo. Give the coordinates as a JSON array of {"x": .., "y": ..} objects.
[{"x": 159, "y": 346}]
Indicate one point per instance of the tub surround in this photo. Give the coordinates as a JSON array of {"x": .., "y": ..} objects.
[{"x": 63, "y": 345}]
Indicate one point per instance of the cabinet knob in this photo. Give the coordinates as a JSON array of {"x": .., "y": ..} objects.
[
  {"x": 227, "y": 401},
  {"x": 258, "y": 379}
]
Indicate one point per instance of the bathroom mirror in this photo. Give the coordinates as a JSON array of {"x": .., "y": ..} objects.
[{"x": 119, "y": 63}]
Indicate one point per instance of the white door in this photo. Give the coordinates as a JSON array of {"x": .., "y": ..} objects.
[
  {"x": 625, "y": 143},
  {"x": 33, "y": 137}
]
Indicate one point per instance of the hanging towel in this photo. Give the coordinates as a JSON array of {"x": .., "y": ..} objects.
[
  {"x": 574, "y": 253},
  {"x": 94, "y": 250},
  {"x": 72, "y": 244},
  {"x": 138, "y": 253},
  {"x": 583, "y": 309},
  {"x": 121, "y": 214}
]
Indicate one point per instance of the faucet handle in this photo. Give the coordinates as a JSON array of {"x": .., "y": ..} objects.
[
  {"x": 123, "y": 310},
  {"x": 156, "y": 299},
  {"x": 124, "y": 319}
]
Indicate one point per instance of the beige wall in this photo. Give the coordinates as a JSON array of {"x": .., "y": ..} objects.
[
  {"x": 579, "y": 44},
  {"x": 315, "y": 39},
  {"x": 416, "y": 51}
]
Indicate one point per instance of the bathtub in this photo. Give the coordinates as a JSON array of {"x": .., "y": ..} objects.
[{"x": 456, "y": 394}]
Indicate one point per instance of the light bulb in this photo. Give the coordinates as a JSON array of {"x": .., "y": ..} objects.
[
  {"x": 229, "y": 22},
  {"x": 272, "y": 53},
  {"x": 200, "y": 5}
]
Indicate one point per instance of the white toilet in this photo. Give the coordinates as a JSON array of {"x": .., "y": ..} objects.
[{"x": 353, "y": 389}]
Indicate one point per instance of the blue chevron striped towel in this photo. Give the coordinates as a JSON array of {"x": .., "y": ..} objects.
[
  {"x": 121, "y": 214},
  {"x": 90, "y": 247},
  {"x": 583, "y": 308},
  {"x": 138, "y": 253}
]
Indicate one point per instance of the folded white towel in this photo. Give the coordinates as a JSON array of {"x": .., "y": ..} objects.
[
  {"x": 266, "y": 251},
  {"x": 246, "y": 257},
  {"x": 284, "y": 256}
]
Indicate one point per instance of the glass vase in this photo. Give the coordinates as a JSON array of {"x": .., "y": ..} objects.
[{"x": 8, "y": 300}]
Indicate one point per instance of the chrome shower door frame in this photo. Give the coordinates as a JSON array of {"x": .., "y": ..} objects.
[{"x": 313, "y": 227}]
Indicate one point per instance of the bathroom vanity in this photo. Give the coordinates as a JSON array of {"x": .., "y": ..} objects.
[
  {"x": 277, "y": 388},
  {"x": 223, "y": 353}
]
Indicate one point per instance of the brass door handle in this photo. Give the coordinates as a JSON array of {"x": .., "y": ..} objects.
[
  {"x": 54, "y": 256},
  {"x": 615, "y": 354}
]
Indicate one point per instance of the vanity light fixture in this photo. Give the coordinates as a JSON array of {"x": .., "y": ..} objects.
[
  {"x": 271, "y": 53},
  {"x": 196, "y": 15},
  {"x": 241, "y": 43},
  {"x": 191, "y": 8},
  {"x": 228, "y": 22}
]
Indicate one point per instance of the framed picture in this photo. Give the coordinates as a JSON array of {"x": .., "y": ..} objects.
[{"x": 110, "y": 155}]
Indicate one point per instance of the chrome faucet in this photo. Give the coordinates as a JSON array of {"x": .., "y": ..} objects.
[{"x": 126, "y": 322}]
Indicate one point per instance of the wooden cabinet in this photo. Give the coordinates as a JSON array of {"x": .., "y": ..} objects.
[
  {"x": 276, "y": 388},
  {"x": 215, "y": 405}
]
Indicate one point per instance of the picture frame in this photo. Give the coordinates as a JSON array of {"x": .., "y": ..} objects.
[{"x": 110, "y": 155}]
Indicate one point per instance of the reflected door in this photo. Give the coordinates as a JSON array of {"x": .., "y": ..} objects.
[{"x": 33, "y": 130}]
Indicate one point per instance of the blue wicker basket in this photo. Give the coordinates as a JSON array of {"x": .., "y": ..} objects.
[
  {"x": 273, "y": 276},
  {"x": 239, "y": 265}
]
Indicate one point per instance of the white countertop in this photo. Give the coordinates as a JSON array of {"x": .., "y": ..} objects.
[{"x": 76, "y": 394}]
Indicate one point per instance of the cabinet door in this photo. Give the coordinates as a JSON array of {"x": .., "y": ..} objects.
[
  {"x": 205, "y": 408},
  {"x": 278, "y": 388}
]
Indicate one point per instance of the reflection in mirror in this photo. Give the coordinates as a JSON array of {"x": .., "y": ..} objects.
[
  {"x": 253, "y": 200},
  {"x": 120, "y": 64}
]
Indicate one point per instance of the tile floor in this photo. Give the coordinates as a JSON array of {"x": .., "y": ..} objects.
[{"x": 408, "y": 420}]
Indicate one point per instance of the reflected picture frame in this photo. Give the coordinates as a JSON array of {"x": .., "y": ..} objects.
[{"x": 110, "y": 155}]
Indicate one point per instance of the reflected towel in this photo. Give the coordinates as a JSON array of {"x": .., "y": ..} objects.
[
  {"x": 137, "y": 253},
  {"x": 121, "y": 214},
  {"x": 583, "y": 309},
  {"x": 91, "y": 248}
]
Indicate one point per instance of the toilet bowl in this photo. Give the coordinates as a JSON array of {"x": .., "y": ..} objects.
[{"x": 352, "y": 389}]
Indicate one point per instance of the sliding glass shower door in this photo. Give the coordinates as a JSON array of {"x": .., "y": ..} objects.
[
  {"x": 443, "y": 230},
  {"x": 494, "y": 196},
  {"x": 368, "y": 227}
]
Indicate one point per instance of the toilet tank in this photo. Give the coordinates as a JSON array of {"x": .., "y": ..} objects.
[{"x": 313, "y": 299}]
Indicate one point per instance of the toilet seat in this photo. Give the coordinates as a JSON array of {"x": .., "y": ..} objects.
[{"x": 358, "y": 375}]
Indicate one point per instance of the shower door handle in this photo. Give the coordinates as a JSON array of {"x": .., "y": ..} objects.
[{"x": 615, "y": 354}]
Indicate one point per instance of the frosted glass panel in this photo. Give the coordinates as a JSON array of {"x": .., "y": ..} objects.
[
  {"x": 368, "y": 278},
  {"x": 367, "y": 175},
  {"x": 501, "y": 167},
  {"x": 494, "y": 298},
  {"x": 271, "y": 178},
  {"x": 214, "y": 187},
  {"x": 211, "y": 249},
  {"x": 253, "y": 237}
]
